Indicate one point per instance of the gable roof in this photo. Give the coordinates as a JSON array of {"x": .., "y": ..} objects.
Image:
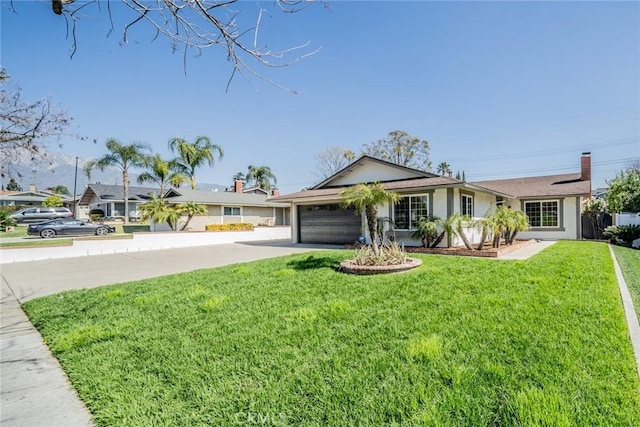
[
  {"x": 401, "y": 186},
  {"x": 407, "y": 172},
  {"x": 116, "y": 193},
  {"x": 540, "y": 186}
]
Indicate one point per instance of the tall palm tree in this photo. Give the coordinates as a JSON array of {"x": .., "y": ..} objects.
[
  {"x": 193, "y": 155},
  {"x": 366, "y": 198},
  {"x": 260, "y": 176},
  {"x": 124, "y": 157},
  {"x": 443, "y": 168},
  {"x": 162, "y": 173}
]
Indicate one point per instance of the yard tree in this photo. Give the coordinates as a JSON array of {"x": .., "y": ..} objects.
[
  {"x": 191, "y": 26},
  {"x": 52, "y": 201},
  {"x": 123, "y": 157},
  {"x": 366, "y": 198},
  {"x": 443, "y": 168},
  {"x": 162, "y": 173},
  {"x": 60, "y": 189},
  {"x": 332, "y": 159},
  {"x": 261, "y": 176},
  {"x": 624, "y": 191},
  {"x": 26, "y": 127},
  {"x": 192, "y": 155},
  {"x": 13, "y": 185},
  {"x": 401, "y": 148}
]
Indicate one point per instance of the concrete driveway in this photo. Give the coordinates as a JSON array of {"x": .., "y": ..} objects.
[{"x": 34, "y": 389}]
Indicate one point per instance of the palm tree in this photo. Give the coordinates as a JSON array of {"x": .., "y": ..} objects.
[
  {"x": 520, "y": 222},
  {"x": 157, "y": 210},
  {"x": 193, "y": 155},
  {"x": 260, "y": 176},
  {"x": 162, "y": 173},
  {"x": 427, "y": 230},
  {"x": 190, "y": 209},
  {"x": 366, "y": 198},
  {"x": 124, "y": 157},
  {"x": 458, "y": 224},
  {"x": 443, "y": 168}
]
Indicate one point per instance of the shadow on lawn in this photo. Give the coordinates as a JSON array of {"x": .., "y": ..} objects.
[{"x": 313, "y": 262}]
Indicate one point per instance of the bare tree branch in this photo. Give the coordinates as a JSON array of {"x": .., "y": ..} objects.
[
  {"x": 200, "y": 24},
  {"x": 26, "y": 127}
]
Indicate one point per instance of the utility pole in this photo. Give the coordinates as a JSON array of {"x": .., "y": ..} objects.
[{"x": 75, "y": 185}]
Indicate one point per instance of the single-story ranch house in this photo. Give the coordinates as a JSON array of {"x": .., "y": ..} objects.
[
  {"x": 552, "y": 203},
  {"x": 223, "y": 207}
]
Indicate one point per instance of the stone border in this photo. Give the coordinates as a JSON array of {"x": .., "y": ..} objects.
[{"x": 349, "y": 267}]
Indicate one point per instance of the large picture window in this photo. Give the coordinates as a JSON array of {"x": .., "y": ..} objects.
[
  {"x": 543, "y": 213},
  {"x": 409, "y": 210}
]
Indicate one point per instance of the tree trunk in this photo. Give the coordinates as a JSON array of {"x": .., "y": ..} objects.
[
  {"x": 372, "y": 223},
  {"x": 438, "y": 240},
  {"x": 125, "y": 184},
  {"x": 512, "y": 238},
  {"x": 482, "y": 240},
  {"x": 464, "y": 238}
]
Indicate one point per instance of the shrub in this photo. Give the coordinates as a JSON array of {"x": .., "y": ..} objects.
[
  {"x": 6, "y": 220},
  {"x": 240, "y": 226},
  {"x": 392, "y": 254},
  {"x": 624, "y": 234}
]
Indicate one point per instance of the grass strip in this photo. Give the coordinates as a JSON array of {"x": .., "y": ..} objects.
[
  {"x": 629, "y": 261},
  {"x": 37, "y": 243},
  {"x": 292, "y": 341}
]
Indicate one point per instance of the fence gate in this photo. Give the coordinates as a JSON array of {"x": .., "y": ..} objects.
[{"x": 593, "y": 225}]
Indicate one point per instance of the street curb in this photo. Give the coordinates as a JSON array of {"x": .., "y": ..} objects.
[{"x": 629, "y": 311}]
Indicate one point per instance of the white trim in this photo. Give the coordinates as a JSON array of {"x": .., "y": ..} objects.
[{"x": 408, "y": 197}]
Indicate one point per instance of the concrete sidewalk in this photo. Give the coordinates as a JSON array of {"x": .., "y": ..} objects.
[{"x": 35, "y": 390}]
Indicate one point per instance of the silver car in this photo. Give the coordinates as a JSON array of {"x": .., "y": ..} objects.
[{"x": 40, "y": 214}]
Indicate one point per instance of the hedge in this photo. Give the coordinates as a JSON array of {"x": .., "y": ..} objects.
[{"x": 241, "y": 226}]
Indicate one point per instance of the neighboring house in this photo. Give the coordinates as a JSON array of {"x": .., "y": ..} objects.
[
  {"x": 222, "y": 207},
  {"x": 32, "y": 197},
  {"x": 552, "y": 203},
  {"x": 110, "y": 199}
]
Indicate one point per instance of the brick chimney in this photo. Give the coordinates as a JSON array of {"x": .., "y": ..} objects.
[
  {"x": 585, "y": 168},
  {"x": 238, "y": 187},
  {"x": 275, "y": 192}
]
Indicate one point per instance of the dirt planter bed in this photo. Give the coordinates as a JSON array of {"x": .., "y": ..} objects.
[{"x": 351, "y": 268}]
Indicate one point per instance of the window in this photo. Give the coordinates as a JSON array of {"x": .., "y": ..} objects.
[
  {"x": 231, "y": 211},
  {"x": 544, "y": 213},
  {"x": 409, "y": 210},
  {"x": 466, "y": 205}
]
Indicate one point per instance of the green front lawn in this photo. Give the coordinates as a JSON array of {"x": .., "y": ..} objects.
[
  {"x": 629, "y": 261},
  {"x": 291, "y": 341}
]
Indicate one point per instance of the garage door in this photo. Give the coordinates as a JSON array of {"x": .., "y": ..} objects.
[{"x": 328, "y": 224}]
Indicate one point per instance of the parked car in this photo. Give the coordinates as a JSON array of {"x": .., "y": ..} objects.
[
  {"x": 40, "y": 214},
  {"x": 68, "y": 227}
]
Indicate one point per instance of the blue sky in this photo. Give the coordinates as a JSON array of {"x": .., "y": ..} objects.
[{"x": 499, "y": 89}]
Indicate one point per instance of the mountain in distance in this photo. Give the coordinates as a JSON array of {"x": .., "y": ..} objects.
[{"x": 60, "y": 169}]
